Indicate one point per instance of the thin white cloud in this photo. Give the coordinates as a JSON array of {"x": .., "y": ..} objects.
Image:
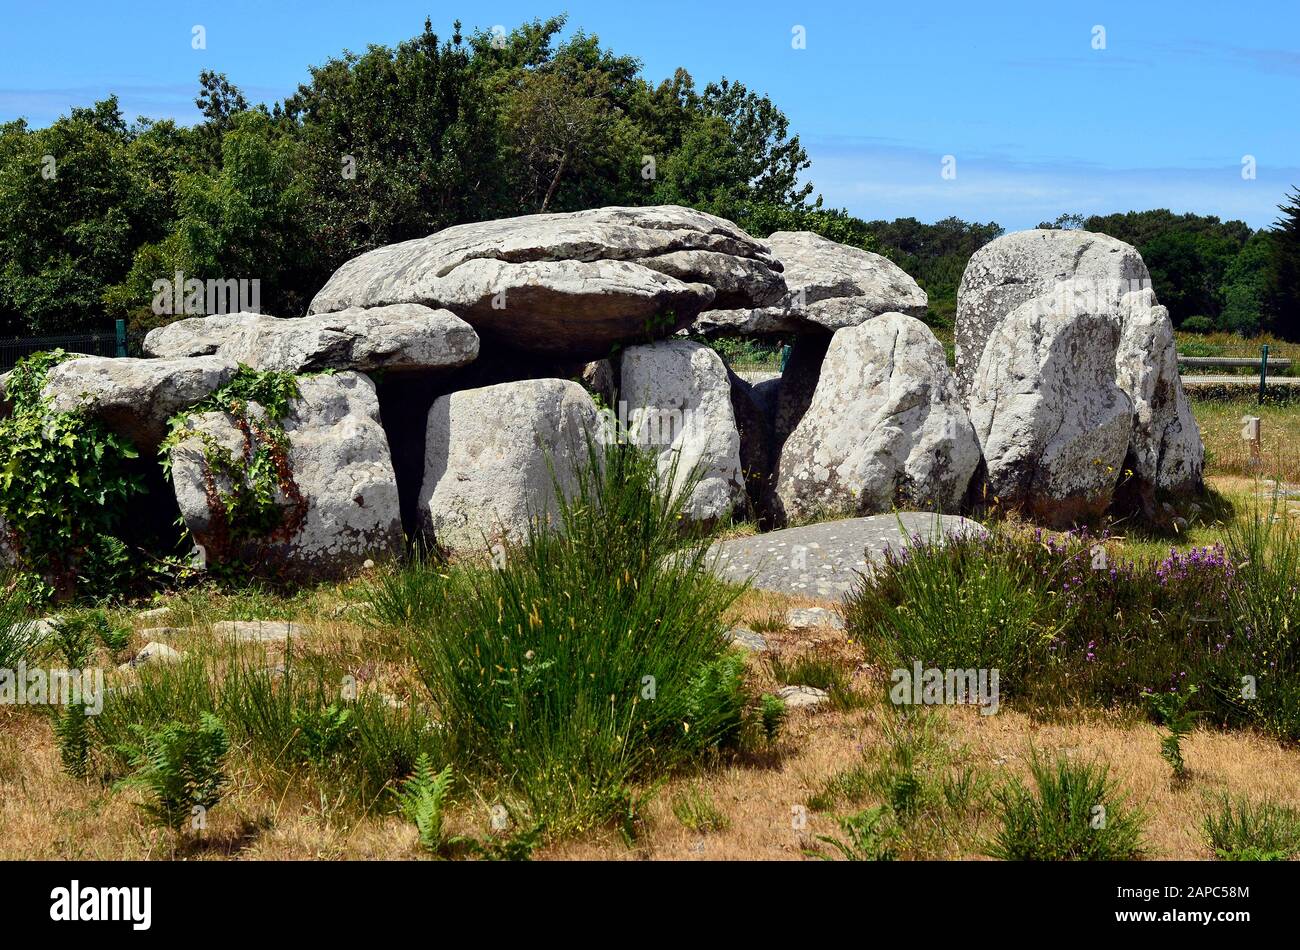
[{"x": 879, "y": 181}]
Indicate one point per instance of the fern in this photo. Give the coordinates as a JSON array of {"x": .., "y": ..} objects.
[
  {"x": 72, "y": 733},
  {"x": 420, "y": 800},
  {"x": 324, "y": 734},
  {"x": 180, "y": 766},
  {"x": 869, "y": 836}
]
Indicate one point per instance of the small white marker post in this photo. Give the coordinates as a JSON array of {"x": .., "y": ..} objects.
[{"x": 1250, "y": 432}]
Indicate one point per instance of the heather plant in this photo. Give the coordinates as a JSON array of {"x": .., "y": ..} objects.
[
  {"x": 972, "y": 602},
  {"x": 1094, "y": 629}
]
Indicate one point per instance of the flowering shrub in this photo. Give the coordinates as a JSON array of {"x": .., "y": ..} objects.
[{"x": 1067, "y": 623}]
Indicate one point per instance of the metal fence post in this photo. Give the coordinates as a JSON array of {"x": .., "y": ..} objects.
[
  {"x": 121, "y": 337},
  {"x": 1263, "y": 372}
]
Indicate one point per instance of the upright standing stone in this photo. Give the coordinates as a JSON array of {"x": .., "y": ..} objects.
[
  {"x": 886, "y": 428},
  {"x": 681, "y": 396},
  {"x": 1053, "y": 425},
  {"x": 495, "y": 457},
  {"x": 1095, "y": 270},
  {"x": 1166, "y": 453},
  {"x": 336, "y": 491}
]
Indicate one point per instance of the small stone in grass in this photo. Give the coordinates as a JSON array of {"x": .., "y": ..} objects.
[
  {"x": 259, "y": 631},
  {"x": 747, "y": 639},
  {"x": 798, "y": 697},
  {"x": 154, "y": 652},
  {"x": 801, "y": 618}
]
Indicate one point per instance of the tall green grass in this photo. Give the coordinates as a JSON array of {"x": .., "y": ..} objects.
[
  {"x": 594, "y": 657},
  {"x": 290, "y": 725},
  {"x": 1074, "y": 811},
  {"x": 1241, "y": 830},
  {"x": 1262, "y": 649}
]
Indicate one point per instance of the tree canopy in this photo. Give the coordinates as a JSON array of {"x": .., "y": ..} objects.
[{"x": 395, "y": 143}]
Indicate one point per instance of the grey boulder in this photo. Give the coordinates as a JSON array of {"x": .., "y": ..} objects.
[
  {"x": 830, "y": 286},
  {"x": 574, "y": 283},
  {"x": 676, "y": 397},
  {"x": 337, "y": 493},
  {"x": 1053, "y": 424},
  {"x": 1085, "y": 271},
  {"x": 494, "y": 457},
  {"x": 397, "y": 338},
  {"x": 1166, "y": 453},
  {"x": 885, "y": 428},
  {"x": 135, "y": 398}
]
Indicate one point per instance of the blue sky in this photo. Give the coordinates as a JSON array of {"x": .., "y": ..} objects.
[{"x": 1038, "y": 121}]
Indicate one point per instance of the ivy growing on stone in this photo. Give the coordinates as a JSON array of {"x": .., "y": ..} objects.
[
  {"x": 245, "y": 490},
  {"x": 63, "y": 485}
]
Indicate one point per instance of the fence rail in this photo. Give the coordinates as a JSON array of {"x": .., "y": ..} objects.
[
  {"x": 1225, "y": 362},
  {"x": 110, "y": 343}
]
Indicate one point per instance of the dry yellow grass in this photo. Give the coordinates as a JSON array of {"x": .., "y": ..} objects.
[
  {"x": 45, "y": 814},
  {"x": 1229, "y": 454}
]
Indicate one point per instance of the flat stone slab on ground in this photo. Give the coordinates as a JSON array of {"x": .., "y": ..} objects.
[
  {"x": 824, "y": 560},
  {"x": 259, "y": 631}
]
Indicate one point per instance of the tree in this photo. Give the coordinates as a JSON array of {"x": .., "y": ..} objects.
[
  {"x": 236, "y": 222},
  {"x": 771, "y": 161},
  {"x": 397, "y": 143},
  {"x": 1245, "y": 287},
  {"x": 1187, "y": 255},
  {"x": 1284, "y": 271},
  {"x": 569, "y": 141},
  {"x": 935, "y": 255},
  {"x": 375, "y": 148},
  {"x": 74, "y": 204},
  {"x": 219, "y": 100},
  {"x": 1063, "y": 222}
]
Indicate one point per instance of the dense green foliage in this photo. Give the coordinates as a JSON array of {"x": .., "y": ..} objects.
[
  {"x": 63, "y": 481},
  {"x": 1282, "y": 276},
  {"x": 375, "y": 147},
  {"x": 1242, "y": 830},
  {"x": 420, "y": 799},
  {"x": 398, "y": 142},
  {"x": 286, "y": 724},
  {"x": 180, "y": 768}
]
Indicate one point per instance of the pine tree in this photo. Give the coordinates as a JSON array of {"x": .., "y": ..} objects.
[{"x": 1284, "y": 275}]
